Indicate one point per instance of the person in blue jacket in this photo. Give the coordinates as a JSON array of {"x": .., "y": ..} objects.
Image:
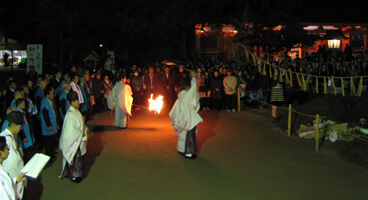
[
  {"x": 49, "y": 123},
  {"x": 28, "y": 139},
  {"x": 17, "y": 137},
  {"x": 39, "y": 95},
  {"x": 63, "y": 102}
]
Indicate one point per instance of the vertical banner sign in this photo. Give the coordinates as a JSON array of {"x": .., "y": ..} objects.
[{"x": 34, "y": 57}]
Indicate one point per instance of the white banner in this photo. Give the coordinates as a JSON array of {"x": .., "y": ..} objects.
[{"x": 34, "y": 57}]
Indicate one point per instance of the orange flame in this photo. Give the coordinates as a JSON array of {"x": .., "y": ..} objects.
[{"x": 156, "y": 104}]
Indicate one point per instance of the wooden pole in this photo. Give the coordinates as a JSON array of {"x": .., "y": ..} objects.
[
  {"x": 238, "y": 100},
  {"x": 317, "y": 132},
  {"x": 289, "y": 121}
]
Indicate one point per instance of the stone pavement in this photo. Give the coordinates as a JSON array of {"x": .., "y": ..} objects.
[{"x": 241, "y": 156}]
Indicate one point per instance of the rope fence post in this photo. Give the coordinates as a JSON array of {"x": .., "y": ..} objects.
[
  {"x": 317, "y": 132},
  {"x": 238, "y": 100},
  {"x": 289, "y": 121}
]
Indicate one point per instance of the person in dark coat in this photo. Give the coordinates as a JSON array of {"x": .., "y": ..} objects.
[
  {"x": 264, "y": 85},
  {"x": 98, "y": 91},
  {"x": 151, "y": 81},
  {"x": 56, "y": 82},
  {"x": 216, "y": 91},
  {"x": 10, "y": 93},
  {"x": 168, "y": 84}
]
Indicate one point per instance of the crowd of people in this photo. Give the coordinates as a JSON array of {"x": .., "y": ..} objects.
[{"x": 44, "y": 101}]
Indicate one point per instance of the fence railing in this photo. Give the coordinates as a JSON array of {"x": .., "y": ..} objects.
[{"x": 289, "y": 109}]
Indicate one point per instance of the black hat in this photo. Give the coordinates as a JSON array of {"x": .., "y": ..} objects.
[
  {"x": 15, "y": 117},
  {"x": 72, "y": 96}
]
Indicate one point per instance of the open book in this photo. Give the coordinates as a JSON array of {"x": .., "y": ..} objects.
[{"x": 35, "y": 165}]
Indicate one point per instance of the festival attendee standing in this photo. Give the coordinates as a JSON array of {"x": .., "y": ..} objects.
[
  {"x": 39, "y": 95},
  {"x": 168, "y": 84},
  {"x": 49, "y": 123},
  {"x": 137, "y": 89},
  {"x": 216, "y": 91},
  {"x": 10, "y": 93},
  {"x": 5, "y": 59},
  {"x": 63, "y": 102},
  {"x": 14, "y": 162},
  {"x": 230, "y": 84},
  {"x": 86, "y": 96},
  {"x": 98, "y": 91},
  {"x": 29, "y": 138},
  {"x": 8, "y": 184},
  {"x": 185, "y": 118},
  {"x": 56, "y": 81},
  {"x": 150, "y": 81},
  {"x": 107, "y": 88},
  {"x": 73, "y": 141},
  {"x": 120, "y": 99},
  {"x": 75, "y": 87}
]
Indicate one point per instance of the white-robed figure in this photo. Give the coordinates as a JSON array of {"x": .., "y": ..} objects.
[
  {"x": 8, "y": 185},
  {"x": 14, "y": 162},
  {"x": 185, "y": 118},
  {"x": 73, "y": 141},
  {"x": 121, "y": 99}
]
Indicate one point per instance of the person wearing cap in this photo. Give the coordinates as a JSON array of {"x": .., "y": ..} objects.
[
  {"x": 73, "y": 141},
  {"x": 14, "y": 162},
  {"x": 49, "y": 123},
  {"x": 121, "y": 99}
]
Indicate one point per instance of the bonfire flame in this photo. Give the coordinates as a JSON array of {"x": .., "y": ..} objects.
[{"x": 156, "y": 104}]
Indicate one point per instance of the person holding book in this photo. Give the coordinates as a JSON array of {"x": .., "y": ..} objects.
[
  {"x": 7, "y": 183},
  {"x": 13, "y": 162},
  {"x": 73, "y": 141}
]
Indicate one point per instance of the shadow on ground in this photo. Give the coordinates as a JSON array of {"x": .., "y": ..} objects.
[
  {"x": 216, "y": 176},
  {"x": 96, "y": 142},
  {"x": 205, "y": 129}
]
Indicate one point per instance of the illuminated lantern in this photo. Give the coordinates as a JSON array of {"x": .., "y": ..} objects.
[
  {"x": 334, "y": 38},
  {"x": 333, "y": 44}
]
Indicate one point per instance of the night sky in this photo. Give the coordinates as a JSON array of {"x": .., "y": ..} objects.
[{"x": 354, "y": 11}]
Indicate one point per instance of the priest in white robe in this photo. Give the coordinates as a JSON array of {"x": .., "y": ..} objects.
[
  {"x": 73, "y": 141},
  {"x": 8, "y": 184},
  {"x": 185, "y": 118},
  {"x": 14, "y": 162},
  {"x": 121, "y": 99}
]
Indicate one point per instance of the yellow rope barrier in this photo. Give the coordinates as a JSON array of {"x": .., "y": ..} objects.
[
  {"x": 304, "y": 61},
  {"x": 304, "y": 83},
  {"x": 304, "y": 86}
]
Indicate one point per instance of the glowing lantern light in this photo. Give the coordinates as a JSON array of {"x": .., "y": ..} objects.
[
  {"x": 156, "y": 104},
  {"x": 333, "y": 44}
]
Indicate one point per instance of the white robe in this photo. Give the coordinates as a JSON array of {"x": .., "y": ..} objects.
[
  {"x": 184, "y": 114},
  {"x": 14, "y": 163},
  {"x": 7, "y": 185},
  {"x": 71, "y": 137},
  {"x": 121, "y": 99}
]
